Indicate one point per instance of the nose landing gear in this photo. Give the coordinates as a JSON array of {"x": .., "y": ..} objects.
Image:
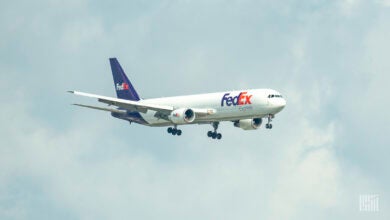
[{"x": 269, "y": 125}]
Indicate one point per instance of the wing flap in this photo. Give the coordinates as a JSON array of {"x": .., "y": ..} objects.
[{"x": 124, "y": 105}]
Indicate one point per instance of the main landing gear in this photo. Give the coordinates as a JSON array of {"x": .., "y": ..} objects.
[
  {"x": 174, "y": 131},
  {"x": 214, "y": 134},
  {"x": 269, "y": 125}
]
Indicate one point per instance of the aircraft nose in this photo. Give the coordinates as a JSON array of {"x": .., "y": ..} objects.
[
  {"x": 280, "y": 104},
  {"x": 283, "y": 103}
]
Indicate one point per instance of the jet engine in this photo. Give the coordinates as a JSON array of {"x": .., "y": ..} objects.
[
  {"x": 182, "y": 116},
  {"x": 248, "y": 124}
]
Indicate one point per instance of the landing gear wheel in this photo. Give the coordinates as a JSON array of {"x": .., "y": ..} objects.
[
  {"x": 269, "y": 125},
  {"x": 214, "y": 134},
  {"x": 174, "y": 130}
]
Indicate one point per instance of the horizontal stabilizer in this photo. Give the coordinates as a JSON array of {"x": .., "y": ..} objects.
[{"x": 100, "y": 108}]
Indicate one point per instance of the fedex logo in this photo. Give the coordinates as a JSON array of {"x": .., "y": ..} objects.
[
  {"x": 240, "y": 99},
  {"x": 123, "y": 86}
]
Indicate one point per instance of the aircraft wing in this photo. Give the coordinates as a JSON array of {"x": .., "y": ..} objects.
[
  {"x": 162, "y": 110},
  {"x": 127, "y": 104}
]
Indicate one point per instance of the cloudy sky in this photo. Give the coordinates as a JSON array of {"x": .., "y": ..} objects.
[{"x": 330, "y": 59}]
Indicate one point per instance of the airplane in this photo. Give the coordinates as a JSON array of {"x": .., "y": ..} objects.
[{"x": 244, "y": 108}]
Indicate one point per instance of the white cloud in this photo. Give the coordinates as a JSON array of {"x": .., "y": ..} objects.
[
  {"x": 386, "y": 3},
  {"x": 314, "y": 180},
  {"x": 77, "y": 33},
  {"x": 348, "y": 7}
]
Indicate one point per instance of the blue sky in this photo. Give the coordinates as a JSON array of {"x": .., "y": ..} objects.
[{"x": 330, "y": 59}]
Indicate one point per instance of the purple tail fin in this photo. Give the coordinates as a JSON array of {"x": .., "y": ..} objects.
[{"x": 124, "y": 88}]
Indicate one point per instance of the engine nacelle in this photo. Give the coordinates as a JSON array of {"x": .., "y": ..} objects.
[
  {"x": 249, "y": 124},
  {"x": 182, "y": 116}
]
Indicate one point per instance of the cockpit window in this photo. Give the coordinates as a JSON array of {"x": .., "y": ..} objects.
[{"x": 274, "y": 96}]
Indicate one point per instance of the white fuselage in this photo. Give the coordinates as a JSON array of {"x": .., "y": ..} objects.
[{"x": 225, "y": 106}]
